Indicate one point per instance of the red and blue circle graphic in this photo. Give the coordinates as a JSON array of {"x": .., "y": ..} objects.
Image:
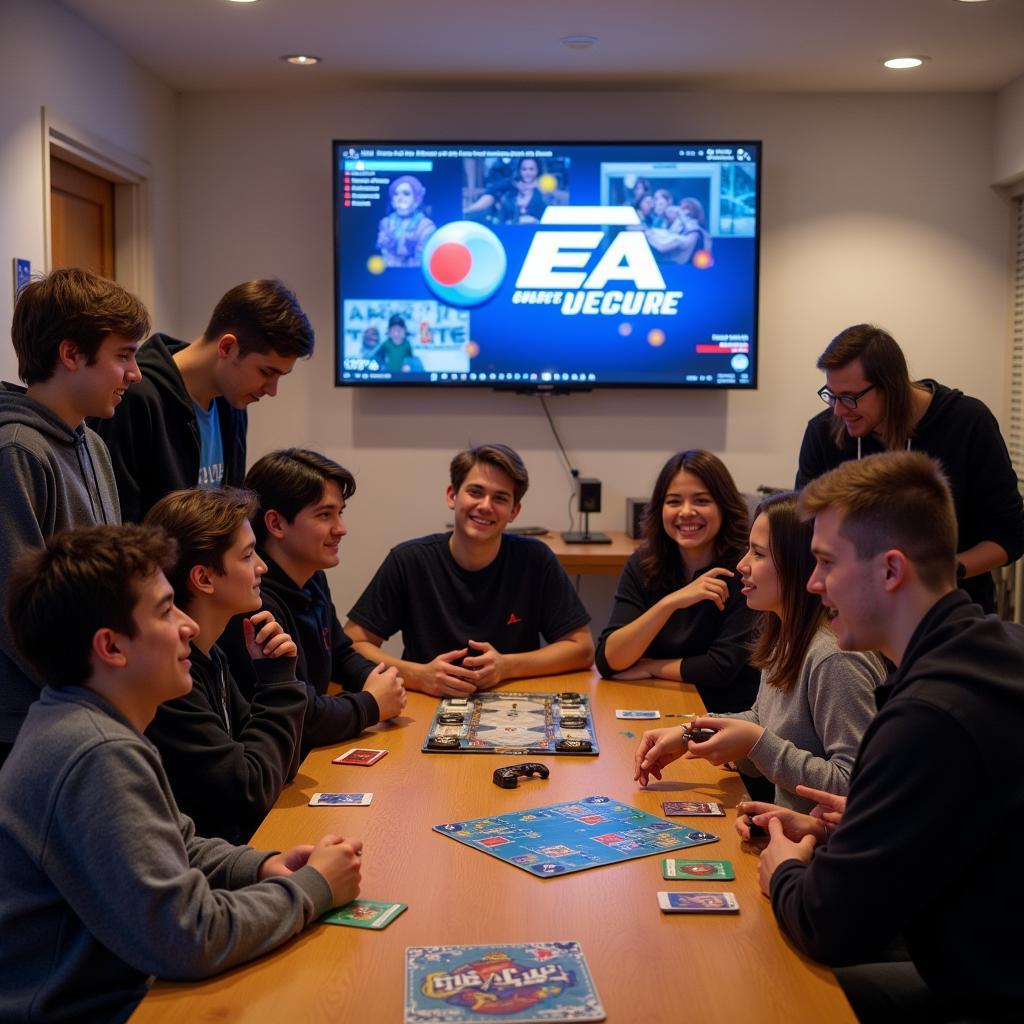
[{"x": 464, "y": 263}]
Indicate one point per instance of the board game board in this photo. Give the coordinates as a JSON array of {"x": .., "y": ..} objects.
[
  {"x": 513, "y": 723},
  {"x": 513, "y": 983},
  {"x": 563, "y": 838}
]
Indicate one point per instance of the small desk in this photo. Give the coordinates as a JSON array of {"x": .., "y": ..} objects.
[
  {"x": 647, "y": 966},
  {"x": 592, "y": 559}
]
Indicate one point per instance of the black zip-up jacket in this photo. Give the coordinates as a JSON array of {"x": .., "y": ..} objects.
[
  {"x": 154, "y": 437},
  {"x": 326, "y": 655},
  {"x": 934, "y": 822},
  {"x": 964, "y": 436},
  {"x": 228, "y": 758}
]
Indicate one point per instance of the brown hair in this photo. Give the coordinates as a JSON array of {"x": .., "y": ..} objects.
[
  {"x": 204, "y": 522},
  {"x": 74, "y": 305},
  {"x": 885, "y": 367},
  {"x": 289, "y": 480},
  {"x": 82, "y": 581},
  {"x": 781, "y": 643},
  {"x": 500, "y": 456},
  {"x": 264, "y": 315},
  {"x": 893, "y": 500},
  {"x": 659, "y": 555}
]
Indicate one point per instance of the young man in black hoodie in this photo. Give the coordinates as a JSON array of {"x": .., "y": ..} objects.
[
  {"x": 105, "y": 882},
  {"x": 935, "y": 803},
  {"x": 227, "y": 757},
  {"x": 876, "y": 407},
  {"x": 299, "y": 525},
  {"x": 75, "y": 335},
  {"x": 184, "y": 425}
]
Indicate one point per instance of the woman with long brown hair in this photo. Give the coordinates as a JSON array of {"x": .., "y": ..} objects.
[
  {"x": 678, "y": 610},
  {"x": 814, "y": 701}
]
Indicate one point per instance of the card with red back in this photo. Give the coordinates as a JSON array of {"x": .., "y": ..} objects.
[{"x": 363, "y": 756}]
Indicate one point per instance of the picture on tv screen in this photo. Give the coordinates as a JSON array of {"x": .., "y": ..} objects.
[{"x": 546, "y": 266}]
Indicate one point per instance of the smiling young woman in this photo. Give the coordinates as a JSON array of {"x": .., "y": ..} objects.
[{"x": 678, "y": 610}]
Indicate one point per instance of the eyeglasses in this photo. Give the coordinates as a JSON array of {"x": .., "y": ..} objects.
[{"x": 850, "y": 401}]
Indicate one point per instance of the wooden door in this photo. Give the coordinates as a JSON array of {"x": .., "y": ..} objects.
[{"x": 81, "y": 219}]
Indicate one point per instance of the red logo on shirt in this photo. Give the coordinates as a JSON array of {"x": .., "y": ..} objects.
[{"x": 513, "y": 619}]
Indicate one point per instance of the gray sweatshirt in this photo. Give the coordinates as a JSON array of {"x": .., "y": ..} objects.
[
  {"x": 105, "y": 883},
  {"x": 812, "y": 731},
  {"x": 52, "y": 477}
]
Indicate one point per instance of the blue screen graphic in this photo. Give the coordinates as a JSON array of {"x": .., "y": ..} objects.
[{"x": 546, "y": 266}]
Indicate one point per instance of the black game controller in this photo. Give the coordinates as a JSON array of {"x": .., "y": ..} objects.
[
  {"x": 508, "y": 778},
  {"x": 697, "y": 735},
  {"x": 756, "y": 831}
]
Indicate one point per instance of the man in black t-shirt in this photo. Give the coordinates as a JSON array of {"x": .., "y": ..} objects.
[{"x": 473, "y": 605}]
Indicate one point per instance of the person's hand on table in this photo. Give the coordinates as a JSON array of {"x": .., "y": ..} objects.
[
  {"x": 733, "y": 740},
  {"x": 442, "y": 678},
  {"x": 283, "y": 864},
  {"x": 384, "y": 684},
  {"x": 340, "y": 862},
  {"x": 658, "y": 748},
  {"x": 779, "y": 850},
  {"x": 795, "y": 826},
  {"x": 487, "y": 664},
  {"x": 828, "y": 807}
]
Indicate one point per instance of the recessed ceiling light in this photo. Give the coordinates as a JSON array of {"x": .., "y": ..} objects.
[
  {"x": 904, "y": 62},
  {"x": 578, "y": 42},
  {"x": 304, "y": 59},
  {"x": 241, "y": 1}
]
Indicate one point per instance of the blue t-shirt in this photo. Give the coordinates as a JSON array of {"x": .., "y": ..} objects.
[{"x": 211, "y": 447}]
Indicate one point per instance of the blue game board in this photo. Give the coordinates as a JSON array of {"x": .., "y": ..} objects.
[
  {"x": 501, "y": 984},
  {"x": 574, "y": 836}
]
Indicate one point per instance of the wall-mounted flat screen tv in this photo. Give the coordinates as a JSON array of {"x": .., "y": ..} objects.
[{"x": 546, "y": 266}]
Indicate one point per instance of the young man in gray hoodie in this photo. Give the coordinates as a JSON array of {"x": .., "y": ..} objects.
[
  {"x": 75, "y": 335},
  {"x": 105, "y": 881}
]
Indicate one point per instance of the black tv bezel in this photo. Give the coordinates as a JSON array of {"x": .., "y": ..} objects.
[{"x": 541, "y": 387}]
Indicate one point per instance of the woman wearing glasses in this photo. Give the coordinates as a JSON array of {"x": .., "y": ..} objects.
[{"x": 876, "y": 407}]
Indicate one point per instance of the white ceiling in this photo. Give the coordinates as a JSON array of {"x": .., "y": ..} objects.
[{"x": 765, "y": 45}]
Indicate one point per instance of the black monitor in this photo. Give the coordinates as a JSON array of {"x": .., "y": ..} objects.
[{"x": 546, "y": 266}]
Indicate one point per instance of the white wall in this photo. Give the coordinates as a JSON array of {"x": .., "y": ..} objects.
[
  {"x": 874, "y": 208},
  {"x": 1008, "y": 134},
  {"x": 49, "y": 57}
]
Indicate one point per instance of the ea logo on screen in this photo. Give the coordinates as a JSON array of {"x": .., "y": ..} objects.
[{"x": 464, "y": 263}]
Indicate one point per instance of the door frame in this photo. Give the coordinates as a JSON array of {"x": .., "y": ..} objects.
[{"x": 131, "y": 174}]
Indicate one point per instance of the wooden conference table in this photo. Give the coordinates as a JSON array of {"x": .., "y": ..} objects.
[{"x": 648, "y": 967}]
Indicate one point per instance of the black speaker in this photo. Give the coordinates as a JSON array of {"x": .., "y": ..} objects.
[
  {"x": 590, "y": 494},
  {"x": 635, "y": 508}
]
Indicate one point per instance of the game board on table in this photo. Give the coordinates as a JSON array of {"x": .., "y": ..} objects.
[
  {"x": 513, "y": 723},
  {"x": 563, "y": 838}
]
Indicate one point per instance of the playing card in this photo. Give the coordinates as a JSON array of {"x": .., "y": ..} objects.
[
  {"x": 359, "y": 755},
  {"x": 692, "y": 808},
  {"x": 340, "y": 799},
  {"x": 698, "y": 902},
  {"x": 365, "y": 914},
  {"x": 697, "y": 870},
  {"x": 627, "y": 713}
]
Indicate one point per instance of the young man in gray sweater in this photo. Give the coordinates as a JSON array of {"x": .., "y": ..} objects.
[
  {"x": 105, "y": 881},
  {"x": 75, "y": 335}
]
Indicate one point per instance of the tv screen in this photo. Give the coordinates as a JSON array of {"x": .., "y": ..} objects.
[{"x": 546, "y": 265}]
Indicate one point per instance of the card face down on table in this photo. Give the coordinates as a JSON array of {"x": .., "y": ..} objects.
[{"x": 522, "y": 982}]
